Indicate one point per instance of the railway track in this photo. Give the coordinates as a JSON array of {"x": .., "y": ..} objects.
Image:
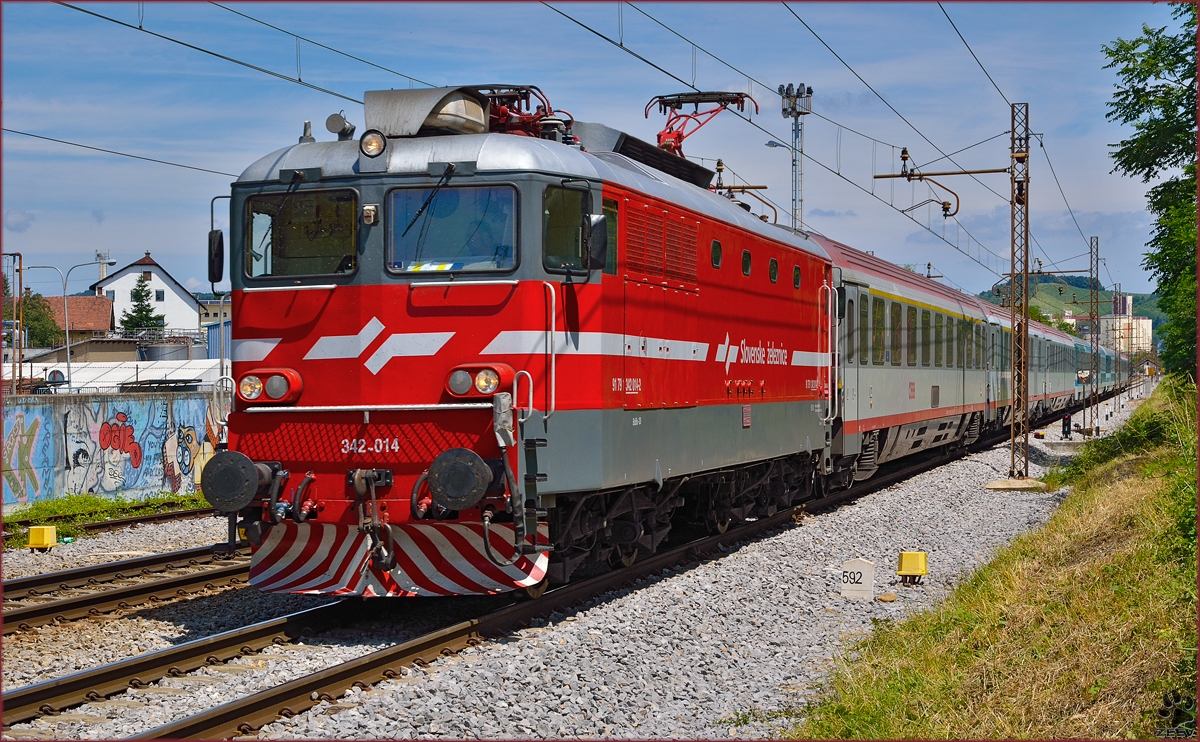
[
  {"x": 247, "y": 714},
  {"x": 13, "y": 527},
  {"x": 218, "y": 568}
]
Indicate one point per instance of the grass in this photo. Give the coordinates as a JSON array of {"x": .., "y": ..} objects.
[
  {"x": 81, "y": 509},
  {"x": 1077, "y": 629}
]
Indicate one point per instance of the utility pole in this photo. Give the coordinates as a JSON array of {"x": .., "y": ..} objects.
[
  {"x": 797, "y": 102},
  {"x": 1094, "y": 336},
  {"x": 1019, "y": 291}
]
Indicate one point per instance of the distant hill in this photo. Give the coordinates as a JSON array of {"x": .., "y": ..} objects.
[{"x": 1047, "y": 297}]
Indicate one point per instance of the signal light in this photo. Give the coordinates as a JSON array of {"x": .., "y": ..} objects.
[
  {"x": 281, "y": 385},
  {"x": 476, "y": 380}
]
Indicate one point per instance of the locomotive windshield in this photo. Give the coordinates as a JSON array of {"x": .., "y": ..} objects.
[
  {"x": 459, "y": 229},
  {"x": 301, "y": 233}
]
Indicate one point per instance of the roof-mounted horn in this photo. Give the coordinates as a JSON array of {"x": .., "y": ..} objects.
[{"x": 406, "y": 113}]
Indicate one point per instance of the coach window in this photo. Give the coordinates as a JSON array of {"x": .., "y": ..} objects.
[
  {"x": 864, "y": 335},
  {"x": 979, "y": 346},
  {"x": 850, "y": 331},
  {"x": 303, "y": 233},
  {"x": 925, "y": 339},
  {"x": 796, "y": 276},
  {"x": 611, "y": 216},
  {"x": 969, "y": 339},
  {"x": 716, "y": 254},
  {"x": 745, "y": 262},
  {"x": 938, "y": 324},
  {"x": 912, "y": 336},
  {"x": 773, "y": 270},
  {"x": 950, "y": 344},
  {"x": 878, "y": 317},
  {"x": 963, "y": 349},
  {"x": 897, "y": 333}
]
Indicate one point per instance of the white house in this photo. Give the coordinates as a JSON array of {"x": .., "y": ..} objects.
[{"x": 167, "y": 296}]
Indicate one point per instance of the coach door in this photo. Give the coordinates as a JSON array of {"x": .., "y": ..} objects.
[{"x": 846, "y": 437}]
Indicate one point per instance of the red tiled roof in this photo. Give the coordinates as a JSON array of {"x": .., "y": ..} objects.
[
  {"x": 145, "y": 261},
  {"x": 93, "y": 313}
]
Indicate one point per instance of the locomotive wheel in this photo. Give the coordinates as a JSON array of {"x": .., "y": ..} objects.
[
  {"x": 623, "y": 556},
  {"x": 533, "y": 592}
]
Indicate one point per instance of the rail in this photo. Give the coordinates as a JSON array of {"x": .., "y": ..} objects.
[{"x": 96, "y": 573}]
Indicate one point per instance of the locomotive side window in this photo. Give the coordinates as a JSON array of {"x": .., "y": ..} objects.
[
  {"x": 849, "y": 331},
  {"x": 878, "y": 316},
  {"x": 864, "y": 334},
  {"x": 897, "y": 333},
  {"x": 773, "y": 270},
  {"x": 611, "y": 213},
  {"x": 302, "y": 233},
  {"x": 796, "y": 276},
  {"x": 460, "y": 229},
  {"x": 925, "y": 339},
  {"x": 716, "y": 254},
  {"x": 562, "y": 228},
  {"x": 912, "y": 336},
  {"x": 745, "y": 262},
  {"x": 937, "y": 339}
]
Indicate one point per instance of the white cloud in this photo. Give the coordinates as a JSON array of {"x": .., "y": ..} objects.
[
  {"x": 16, "y": 220},
  {"x": 831, "y": 213},
  {"x": 98, "y": 216}
]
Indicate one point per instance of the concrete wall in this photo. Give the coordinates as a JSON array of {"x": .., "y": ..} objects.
[{"x": 132, "y": 445}]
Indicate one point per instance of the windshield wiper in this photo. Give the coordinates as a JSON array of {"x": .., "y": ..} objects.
[{"x": 445, "y": 177}]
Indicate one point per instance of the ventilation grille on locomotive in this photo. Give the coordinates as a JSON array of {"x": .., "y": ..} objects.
[{"x": 660, "y": 245}]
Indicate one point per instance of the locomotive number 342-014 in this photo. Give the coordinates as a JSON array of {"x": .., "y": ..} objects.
[{"x": 363, "y": 445}]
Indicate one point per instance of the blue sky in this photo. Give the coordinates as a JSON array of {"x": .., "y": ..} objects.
[{"x": 72, "y": 76}]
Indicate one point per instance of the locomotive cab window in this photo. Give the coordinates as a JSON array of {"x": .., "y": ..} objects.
[
  {"x": 611, "y": 215},
  {"x": 305, "y": 233},
  {"x": 716, "y": 254},
  {"x": 773, "y": 270},
  {"x": 562, "y": 229},
  {"x": 471, "y": 228},
  {"x": 745, "y": 262}
]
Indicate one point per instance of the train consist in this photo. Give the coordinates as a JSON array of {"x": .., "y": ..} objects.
[{"x": 483, "y": 344}]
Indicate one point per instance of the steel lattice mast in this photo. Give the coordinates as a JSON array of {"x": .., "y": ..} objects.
[{"x": 1019, "y": 291}]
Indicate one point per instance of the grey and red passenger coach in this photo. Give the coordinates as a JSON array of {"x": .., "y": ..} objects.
[{"x": 482, "y": 344}]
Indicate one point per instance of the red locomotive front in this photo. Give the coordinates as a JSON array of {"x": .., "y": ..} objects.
[{"x": 472, "y": 352}]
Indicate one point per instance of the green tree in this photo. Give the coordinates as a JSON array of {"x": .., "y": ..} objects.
[
  {"x": 1156, "y": 96},
  {"x": 142, "y": 313},
  {"x": 44, "y": 332}
]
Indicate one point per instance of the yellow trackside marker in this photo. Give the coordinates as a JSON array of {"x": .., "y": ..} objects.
[
  {"x": 43, "y": 537},
  {"x": 913, "y": 566}
]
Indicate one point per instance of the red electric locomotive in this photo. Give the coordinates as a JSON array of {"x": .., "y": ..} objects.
[{"x": 482, "y": 344}]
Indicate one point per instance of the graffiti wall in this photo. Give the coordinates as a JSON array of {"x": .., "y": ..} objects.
[{"x": 132, "y": 445}]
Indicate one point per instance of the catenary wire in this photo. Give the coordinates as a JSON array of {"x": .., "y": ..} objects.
[
  {"x": 115, "y": 152},
  {"x": 323, "y": 46},
  {"x": 1042, "y": 146},
  {"x": 964, "y": 41},
  {"x": 214, "y": 54},
  {"x": 964, "y": 149},
  {"x": 760, "y": 83},
  {"x": 806, "y": 155}
]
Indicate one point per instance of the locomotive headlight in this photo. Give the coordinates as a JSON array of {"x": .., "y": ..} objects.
[
  {"x": 487, "y": 381},
  {"x": 460, "y": 382},
  {"x": 277, "y": 387},
  {"x": 250, "y": 387},
  {"x": 372, "y": 144}
]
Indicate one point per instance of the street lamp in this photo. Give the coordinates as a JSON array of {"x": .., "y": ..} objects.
[
  {"x": 66, "y": 311},
  {"x": 797, "y": 102}
]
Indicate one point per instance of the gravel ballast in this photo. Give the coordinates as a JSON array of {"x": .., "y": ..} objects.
[{"x": 683, "y": 654}]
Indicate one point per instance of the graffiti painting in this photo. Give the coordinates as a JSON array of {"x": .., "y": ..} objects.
[{"x": 128, "y": 445}]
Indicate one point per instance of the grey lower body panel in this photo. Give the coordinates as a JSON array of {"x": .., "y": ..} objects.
[{"x": 599, "y": 449}]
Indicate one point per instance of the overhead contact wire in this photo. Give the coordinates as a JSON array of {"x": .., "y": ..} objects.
[
  {"x": 806, "y": 155},
  {"x": 218, "y": 55},
  {"x": 115, "y": 152}
]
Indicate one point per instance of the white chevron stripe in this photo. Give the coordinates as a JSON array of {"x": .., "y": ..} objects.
[
  {"x": 533, "y": 342},
  {"x": 402, "y": 345},
  {"x": 805, "y": 358},
  {"x": 253, "y": 350},
  {"x": 345, "y": 346}
]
